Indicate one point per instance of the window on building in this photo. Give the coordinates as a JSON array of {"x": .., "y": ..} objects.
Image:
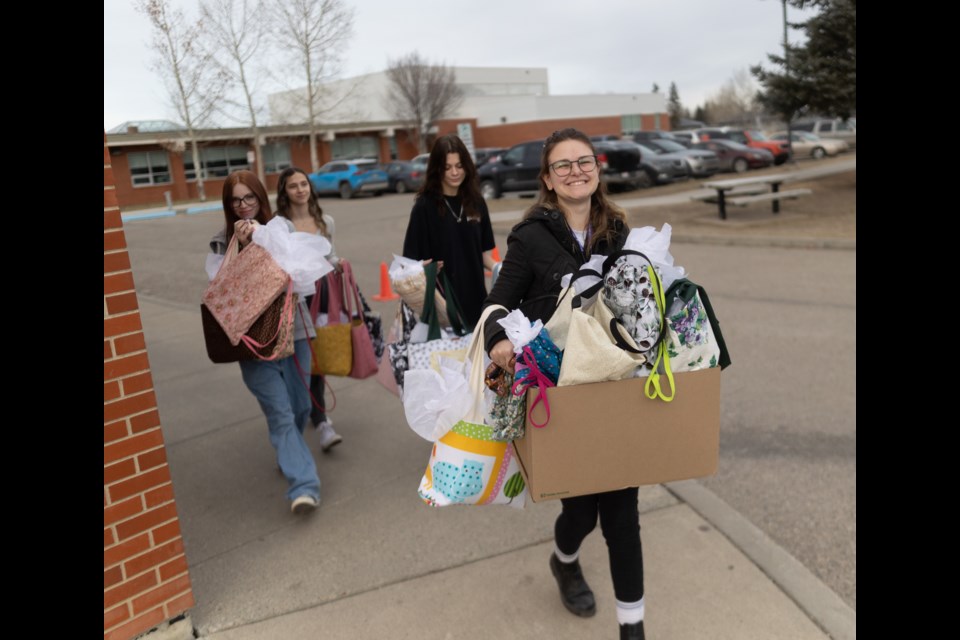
[
  {"x": 217, "y": 162},
  {"x": 356, "y": 147},
  {"x": 149, "y": 167},
  {"x": 629, "y": 124},
  {"x": 276, "y": 157}
]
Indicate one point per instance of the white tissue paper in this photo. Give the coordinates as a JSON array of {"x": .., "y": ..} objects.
[
  {"x": 302, "y": 255},
  {"x": 402, "y": 268},
  {"x": 595, "y": 263},
  {"x": 656, "y": 246},
  {"x": 519, "y": 329},
  {"x": 434, "y": 402}
]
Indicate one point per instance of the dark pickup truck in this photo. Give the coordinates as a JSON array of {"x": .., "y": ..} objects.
[{"x": 518, "y": 169}]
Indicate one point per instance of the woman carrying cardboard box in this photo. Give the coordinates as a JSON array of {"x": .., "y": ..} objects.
[{"x": 572, "y": 220}]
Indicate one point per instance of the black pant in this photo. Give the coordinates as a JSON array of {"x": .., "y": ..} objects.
[
  {"x": 620, "y": 523},
  {"x": 318, "y": 414}
]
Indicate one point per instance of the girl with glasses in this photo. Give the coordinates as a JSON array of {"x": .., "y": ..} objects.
[
  {"x": 277, "y": 385},
  {"x": 571, "y": 220}
]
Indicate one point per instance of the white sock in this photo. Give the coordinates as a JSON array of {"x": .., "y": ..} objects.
[
  {"x": 564, "y": 558},
  {"x": 630, "y": 612}
]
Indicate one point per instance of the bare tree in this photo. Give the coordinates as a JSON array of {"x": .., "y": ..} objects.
[
  {"x": 185, "y": 68},
  {"x": 233, "y": 32},
  {"x": 313, "y": 34},
  {"x": 421, "y": 94},
  {"x": 736, "y": 101}
]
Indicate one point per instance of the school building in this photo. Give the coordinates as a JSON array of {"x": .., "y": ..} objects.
[{"x": 153, "y": 163}]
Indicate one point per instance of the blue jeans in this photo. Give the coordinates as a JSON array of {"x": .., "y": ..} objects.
[{"x": 285, "y": 401}]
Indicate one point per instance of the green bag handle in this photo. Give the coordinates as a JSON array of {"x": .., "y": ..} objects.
[
  {"x": 429, "y": 315},
  {"x": 453, "y": 307},
  {"x": 652, "y": 388}
]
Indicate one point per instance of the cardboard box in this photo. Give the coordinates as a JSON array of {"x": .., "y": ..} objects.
[{"x": 609, "y": 435}]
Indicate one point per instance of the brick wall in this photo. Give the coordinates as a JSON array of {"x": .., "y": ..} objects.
[{"x": 145, "y": 577}]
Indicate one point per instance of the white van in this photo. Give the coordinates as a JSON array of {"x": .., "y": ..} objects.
[{"x": 830, "y": 128}]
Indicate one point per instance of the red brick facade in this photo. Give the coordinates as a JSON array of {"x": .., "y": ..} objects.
[
  {"x": 145, "y": 576},
  {"x": 501, "y": 135}
]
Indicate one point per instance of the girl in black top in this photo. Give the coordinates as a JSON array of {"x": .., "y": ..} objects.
[
  {"x": 571, "y": 220},
  {"x": 450, "y": 224}
]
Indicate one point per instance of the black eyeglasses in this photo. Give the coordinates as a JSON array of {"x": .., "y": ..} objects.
[
  {"x": 250, "y": 199},
  {"x": 563, "y": 167}
]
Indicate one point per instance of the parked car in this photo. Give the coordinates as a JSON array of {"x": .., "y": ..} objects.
[
  {"x": 734, "y": 156},
  {"x": 808, "y": 144},
  {"x": 348, "y": 177},
  {"x": 423, "y": 158},
  {"x": 688, "y": 137},
  {"x": 621, "y": 165},
  {"x": 484, "y": 154},
  {"x": 645, "y": 136},
  {"x": 835, "y": 128},
  {"x": 604, "y": 137},
  {"x": 404, "y": 176},
  {"x": 750, "y": 138},
  {"x": 661, "y": 167},
  {"x": 518, "y": 169},
  {"x": 700, "y": 163}
]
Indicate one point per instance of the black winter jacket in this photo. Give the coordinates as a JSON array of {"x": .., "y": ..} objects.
[{"x": 540, "y": 251}]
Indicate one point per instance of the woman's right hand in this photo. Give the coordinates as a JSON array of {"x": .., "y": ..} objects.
[
  {"x": 244, "y": 230},
  {"x": 502, "y": 354}
]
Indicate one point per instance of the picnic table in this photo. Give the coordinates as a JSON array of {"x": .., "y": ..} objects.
[{"x": 747, "y": 190}]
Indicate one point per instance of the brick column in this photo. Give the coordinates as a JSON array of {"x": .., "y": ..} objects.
[{"x": 145, "y": 578}]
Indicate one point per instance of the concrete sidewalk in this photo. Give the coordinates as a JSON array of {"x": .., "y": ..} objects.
[{"x": 373, "y": 561}]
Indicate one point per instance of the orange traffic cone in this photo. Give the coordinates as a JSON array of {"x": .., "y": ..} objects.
[{"x": 386, "y": 293}]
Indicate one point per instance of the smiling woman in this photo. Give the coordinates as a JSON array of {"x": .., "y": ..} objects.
[{"x": 572, "y": 220}]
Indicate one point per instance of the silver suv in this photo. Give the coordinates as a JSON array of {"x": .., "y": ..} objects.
[{"x": 830, "y": 128}]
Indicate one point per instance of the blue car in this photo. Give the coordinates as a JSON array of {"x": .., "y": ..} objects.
[{"x": 348, "y": 177}]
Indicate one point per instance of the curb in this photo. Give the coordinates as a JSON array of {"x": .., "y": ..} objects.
[{"x": 817, "y": 600}]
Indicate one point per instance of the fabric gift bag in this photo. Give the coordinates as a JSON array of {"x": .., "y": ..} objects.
[
  {"x": 409, "y": 279},
  {"x": 269, "y": 338},
  {"x": 364, "y": 358},
  {"x": 597, "y": 348},
  {"x": 466, "y": 465},
  {"x": 332, "y": 348},
  {"x": 417, "y": 355},
  {"x": 694, "y": 338},
  {"x": 246, "y": 284}
]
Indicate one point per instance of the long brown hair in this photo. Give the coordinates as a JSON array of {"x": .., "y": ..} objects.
[
  {"x": 603, "y": 211},
  {"x": 469, "y": 192},
  {"x": 313, "y": 204},
  {"x": 250, "y": 180}
]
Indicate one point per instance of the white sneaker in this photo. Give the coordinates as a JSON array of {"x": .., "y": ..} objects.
[
  {"x": 304, "y": 504},
  {"x": 328, "y": 437}
]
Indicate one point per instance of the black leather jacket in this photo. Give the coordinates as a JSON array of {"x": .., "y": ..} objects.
[{"x": 540, "y": 251}]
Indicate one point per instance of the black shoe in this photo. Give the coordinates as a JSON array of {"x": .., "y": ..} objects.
[
  {"x": 575, "y": 593},
  {"x": 632, "y": 631}
]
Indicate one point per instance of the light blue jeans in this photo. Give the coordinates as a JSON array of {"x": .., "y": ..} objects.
[{"x": 285, "y": 401}]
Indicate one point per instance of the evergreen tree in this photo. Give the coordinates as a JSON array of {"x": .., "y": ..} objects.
[
  {"x": 821, "y": 75},
  {"x": 674, "y": 107}
]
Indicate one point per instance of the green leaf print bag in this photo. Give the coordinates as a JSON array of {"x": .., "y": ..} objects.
[{"x": 467, "y": 466}]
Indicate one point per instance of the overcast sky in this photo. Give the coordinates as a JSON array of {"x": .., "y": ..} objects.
[{"x": 587, "y": 46}]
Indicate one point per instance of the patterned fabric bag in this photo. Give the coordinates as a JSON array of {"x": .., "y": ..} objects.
[
  {"x": 694, "y": 338},
  {"x": 246, "y": 284},
  {"x": 467, "y": 466},
  {"x": 416, "y": 355},
  {"x": 630, "y": 288}
]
